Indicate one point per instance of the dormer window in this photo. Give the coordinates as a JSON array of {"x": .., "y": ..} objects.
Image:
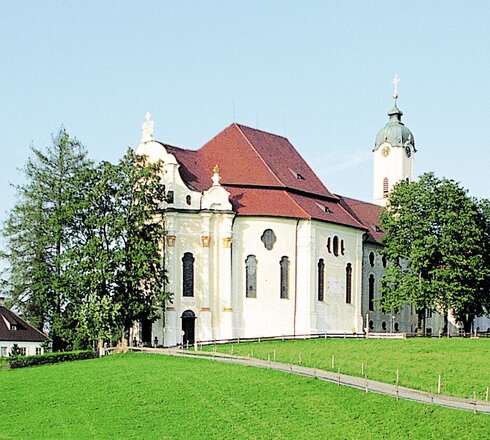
[
  {"x": 296, "y": 175},
  {"x": 324, "y": 208}
]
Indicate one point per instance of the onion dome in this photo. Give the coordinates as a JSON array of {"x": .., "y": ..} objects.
[{"x": 395, "y": 132}]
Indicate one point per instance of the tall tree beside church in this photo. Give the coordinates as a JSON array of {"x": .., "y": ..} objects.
[
  {"x": 483, "y": 206},
  {"x": 117, "y": 267},
  {"x": 37, "y": 232},
  {"x": 437, "y": 244}
]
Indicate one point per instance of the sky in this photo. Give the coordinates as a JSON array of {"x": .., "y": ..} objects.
[{"x": 318, "y": 72}]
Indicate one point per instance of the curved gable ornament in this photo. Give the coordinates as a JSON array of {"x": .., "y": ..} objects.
[{"x": 216, "y": 197}]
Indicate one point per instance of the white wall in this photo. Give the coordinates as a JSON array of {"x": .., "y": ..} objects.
[
  {"x": 30, "y": 346},
  {"x": 395, "y": 166},
  {"x": 333, "y": 314}
]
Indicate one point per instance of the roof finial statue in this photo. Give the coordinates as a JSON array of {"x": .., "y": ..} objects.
[
  {"x": 216, "y": 177},
  {"x": 395, "y": 82},
  {"x": 147, "y": 127}
]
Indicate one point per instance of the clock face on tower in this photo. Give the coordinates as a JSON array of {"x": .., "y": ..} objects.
[
  {"x": 385, "y": 151},
  {"x": 408, "y": 151}
]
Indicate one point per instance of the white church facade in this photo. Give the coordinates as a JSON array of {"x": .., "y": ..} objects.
[{"x": 257, "y": 246}]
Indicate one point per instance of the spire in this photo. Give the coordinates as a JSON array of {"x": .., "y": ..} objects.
[{"x": 147, "y": 127}]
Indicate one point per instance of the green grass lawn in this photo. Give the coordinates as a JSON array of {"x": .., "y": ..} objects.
[
  {"x": 157, "y": 397},
  {"x": 464, "y": 364}
]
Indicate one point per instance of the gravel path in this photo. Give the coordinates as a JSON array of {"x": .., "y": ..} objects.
[{"x": 340, "y": 379}]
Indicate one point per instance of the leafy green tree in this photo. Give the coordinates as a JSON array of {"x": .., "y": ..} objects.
[
  {"x": 15, "y": 351},
  {"x": 37, "y": 233},
  {"x": 437, "y": 244},
  {"x": 116, "y": 266}
]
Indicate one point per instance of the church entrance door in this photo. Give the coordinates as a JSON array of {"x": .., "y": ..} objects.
[{"x": 188, "y": 327}]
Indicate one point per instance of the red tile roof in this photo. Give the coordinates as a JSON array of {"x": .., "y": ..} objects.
[
  {"x": 367, "y": 214},
  {"x": 264, "y": 174},
  {"x": 24, "y": 332}
]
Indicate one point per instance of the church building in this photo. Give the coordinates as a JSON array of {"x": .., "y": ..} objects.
[{"x": 258, "y": 246}]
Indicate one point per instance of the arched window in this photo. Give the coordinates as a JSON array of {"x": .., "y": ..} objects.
[
  {"x": 188, "y": 274},
  {"x": 385, "y": 187},
  {"x": 384, "y": 285},
  {"x": 383, "y": 325},
  {"x": 188, "y": 199},
  {"x": 336, "y": 246},
  {"x": 251, "y": 277},
  {"x": 397, "y": 327},
  {"x": 329, "y": 243},
  {"x": 371, "y": 292},
  {"x": 321, "y": 279},
  {"x": 371, "y": 259},
  {"x": 371, "y": 325},
  {"x": 284, "y": 263},
  {"x": 348, "y": 283},
  {"x": 384, "y": 261},
  {"x": 342, "y": 247}
]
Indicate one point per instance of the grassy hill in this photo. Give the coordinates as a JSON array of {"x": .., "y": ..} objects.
[
  {"x": 150, "y": 396},
  {"x": 464, "y": 364}
]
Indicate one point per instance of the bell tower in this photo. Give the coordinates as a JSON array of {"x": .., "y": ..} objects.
[{"x": 393, "y": 153}]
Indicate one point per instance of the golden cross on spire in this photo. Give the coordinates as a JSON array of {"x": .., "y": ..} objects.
[{"x": 395, "y": 82}]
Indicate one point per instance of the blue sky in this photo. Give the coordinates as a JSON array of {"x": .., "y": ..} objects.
[{"x": 318, "y": 72}]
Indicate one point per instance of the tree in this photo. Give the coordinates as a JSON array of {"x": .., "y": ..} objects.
[
  {"x": 116, "y": 264},
  {"x": 436, "y": 240},
  {"x": 37, "y": 235},
  {"x": 15, "y": 351}
]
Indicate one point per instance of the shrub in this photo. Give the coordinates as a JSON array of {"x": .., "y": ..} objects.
[{"x": 50, "y": 358}]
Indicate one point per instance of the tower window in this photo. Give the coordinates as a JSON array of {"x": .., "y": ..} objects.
[
  {"x": 188, "y": 274},
  {"x": 385, "y": 187},
  {"x": 284, "y": 263},
  {"x": 342, "y": 247},
  {"x": 251, "y": 277},
  {"x": 348, "y": 284},
  {"x": 329, "y": 244},
  {"x": 371, "y": 259},
  {"x": 321, "y": 279}
]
